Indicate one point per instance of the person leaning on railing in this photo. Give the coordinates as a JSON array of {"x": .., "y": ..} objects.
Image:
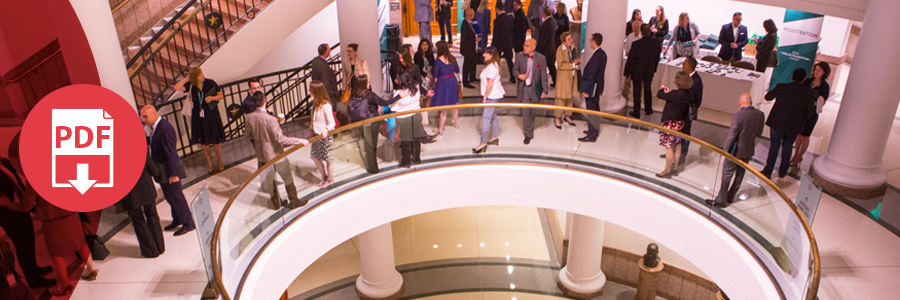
[
  {"x": 412, "y": 133},
  {"x": 322, "y": 120},
  {"x": 674, "y": 115},
  {"x": 364, "y": 105}
]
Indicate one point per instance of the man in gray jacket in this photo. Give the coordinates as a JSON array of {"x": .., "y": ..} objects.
[
  {"x": 424, "y": 14},
  {"x": 265, "y": 131},
  {"x": 531, "y": 69},
  {"x": 746, "y": 125}
]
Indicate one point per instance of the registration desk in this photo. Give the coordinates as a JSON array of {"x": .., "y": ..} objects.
[{"x": 722, "y": 85}]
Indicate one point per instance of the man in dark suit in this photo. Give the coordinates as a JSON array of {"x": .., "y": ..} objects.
[
  {"x": 321, "y": 71},
  {"x": 467, "y": 42},
  {"x": 531, "y": 69},
  {"x": 520, "y": 26},
  {"x": 643, "y": 59},
  {"x": 746, "y": 125},
  {"x": 733, "y": 38},
  {"x": 140, "y": 203},
  {"x": 503, "y": 38},
  {"x": 689, "y": 66},
  {"x": 795, "y": 103},
  {"x": 546, "y": 44},
  {"x": 253, "y": 85},
  {"x": 592, "y": 86},
  {"x": 443, "y": 13},
  {"x": 162, "y": 151}
]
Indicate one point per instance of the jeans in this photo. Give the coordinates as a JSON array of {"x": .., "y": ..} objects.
[
  {"x": 442, "y": 23},
  {"x": 728, "y": 190},
  {"x": 778, "y": 140},
  {"x": 488, "y": 120}
]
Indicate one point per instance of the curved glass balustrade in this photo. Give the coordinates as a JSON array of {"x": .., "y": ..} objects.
[{"x": 763, "y": 218}]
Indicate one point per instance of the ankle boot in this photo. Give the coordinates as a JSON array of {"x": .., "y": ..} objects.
[
  {"x": 405, "y": 154},
  {"x": 416, "y": 152}
]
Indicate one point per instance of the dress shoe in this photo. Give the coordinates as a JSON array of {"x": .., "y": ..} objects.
[
  {"x": 476, "y": 80},
  {"x": 781, "y": 175},
  {"x": 45, "y": 269},
  {"x": 635, "y": 115},
  {"x": 662, "y": 155},
  {"x": 512, "y": 80},
  {"x": 184, "y": 230},
  {"x": 711, "y": 202},
  {"x": 296, "y": 203},
  {"x": 468, "y": 86},
  {"x": 648, "y": 112},
  {"x": 41, "y": 282},
  {"x": 495, "y": 142},
  {"x": 171, "y": 227},
  {"x": 553, "y": 84},
  {"x": 587, "y": 139},
  {"x": 527, "y": 140},
  {"x": 428, "y": 139}
]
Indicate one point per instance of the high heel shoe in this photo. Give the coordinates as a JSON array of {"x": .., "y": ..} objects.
[
  {"x": 569, "y": 121},
  {"x": 90, "y": 276},
  {"x": 667, "y": 175},
  {"x": 221, "y": 167},
  {"x": 479, "y": 150},
  {"x": 495, "y": 142},
  {"x": 558, "y": 124},
  {"x": 64, "y": 291}
]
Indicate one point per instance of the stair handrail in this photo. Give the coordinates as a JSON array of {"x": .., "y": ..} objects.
[{"x": 156, "y": 36}]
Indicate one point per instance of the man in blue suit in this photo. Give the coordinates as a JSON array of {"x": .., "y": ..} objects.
[
  {"x": 592, "y": 86},
  {"x": 733, "y": 38},
  {"x": 162, "y": 150}
]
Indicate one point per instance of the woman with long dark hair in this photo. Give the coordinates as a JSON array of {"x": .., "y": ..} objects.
[
  {"x": 765, "y": 46},
  {"x": 424, "y": 58},
  {"x": 491, "y": 91},
  {"x": 635, "y": 16},
  {"x": 364, "y": 105},
  {"x": 206, "y": 124},
  {"x": 818, "y": 83},
  {"x": 408, "y": 97},
  {"x": 446, "y": 88},
  {"x": 322, "y": 150}
]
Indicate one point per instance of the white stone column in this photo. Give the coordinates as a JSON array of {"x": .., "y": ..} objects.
[
  {"x": 582, "y": 278},
  {"x": 358, "y": 23},
  {"x": 379, "y": 278},
  {"x": 97, "y": 22},
  {"x": 852, "y": 164},
  {"x": 608, "y": 18}
]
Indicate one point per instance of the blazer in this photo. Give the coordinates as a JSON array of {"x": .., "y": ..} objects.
[
  {"x": 643, "y": 58},
  {"x": 594, "y": 74},
  {"x": 362, "y": 67},
  {"x": 423, "y": 12},
  {"x": 546, "y": 42},
  {"x": 443, "y": 11},
  {"x": 534, "y": 14},
  {"x": 503, "y": 27},
  {"x": 265, "y": 130},
  {"x": 764, "y": 50},
  {"x": 746, "y": 125},
  {"x": 726, "y": 37},
  {"x": 322, "y": 72},
  {"x": 538, "y": 73},
  {"x": 662, "y": 30},
  {"x": 677, "y": 104},
  {"x": 467, "y": 39},
  {"x": 419, "y": 60},
  {"x": 697, "y": 89},
  {"x": 162, "y": 150},
  {"x": 144, "y": 192},
  {"x": 796, "y": 103}
]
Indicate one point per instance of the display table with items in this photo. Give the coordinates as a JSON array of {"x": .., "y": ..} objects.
[{"x": 722, "y": 85}]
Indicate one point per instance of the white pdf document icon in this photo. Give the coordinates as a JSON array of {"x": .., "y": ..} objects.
[{"x": 82, "y": 155}]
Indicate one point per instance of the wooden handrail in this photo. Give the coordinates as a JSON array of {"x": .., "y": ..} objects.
[
  {"x": 120, "y": 6},
  {"x": 35, "y": 66}
]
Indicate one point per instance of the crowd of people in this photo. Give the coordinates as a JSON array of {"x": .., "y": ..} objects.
[{"x": 430, "y": 75}]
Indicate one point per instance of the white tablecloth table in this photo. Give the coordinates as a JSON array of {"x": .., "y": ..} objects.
[{"x": 721, "y": 89}]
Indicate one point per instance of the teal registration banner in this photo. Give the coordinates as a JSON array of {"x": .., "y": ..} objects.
[{"x": 798, "y": 43}]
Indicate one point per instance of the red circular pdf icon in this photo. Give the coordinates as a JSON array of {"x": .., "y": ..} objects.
[{"x": 83, "y": 147}]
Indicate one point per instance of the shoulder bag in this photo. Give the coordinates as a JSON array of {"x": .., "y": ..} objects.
[{"x": 187, "y": 105}]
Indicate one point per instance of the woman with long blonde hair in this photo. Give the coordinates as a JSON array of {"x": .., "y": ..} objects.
[
  {"x": 659, "y": 25},
  {"x": 685, "y": 37},
  {"x": 322, "y": 150},
  {"x": 206, "y": 124}
]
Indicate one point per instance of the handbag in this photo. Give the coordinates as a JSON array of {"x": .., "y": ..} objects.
[
  {"x": 459, "y": 86},
  {"x": 187, "y": 105},
  {"x": 98, "y": 249},
  {"x": 345, "y": 96}
]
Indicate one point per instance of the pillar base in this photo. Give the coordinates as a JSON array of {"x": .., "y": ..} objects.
[
  {"x": 646, "y": 289},
  {"x": 836, "y": 188},
  {"x": 393, "y": 296},
  {"x": 583, "y": 289}
]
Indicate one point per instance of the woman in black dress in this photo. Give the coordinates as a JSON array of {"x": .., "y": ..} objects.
[
  {"x": 765, "y": 46},
  {"x": 818, "y": 83},
  {"x": 675, "y": 113},
  {"x": 206, "y": 124}
]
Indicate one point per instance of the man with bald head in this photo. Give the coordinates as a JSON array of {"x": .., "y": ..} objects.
[
  {"x": 531, "y": 70},
  {"x": 162, "y": 143},
  {"x": 746, "y": 125}
]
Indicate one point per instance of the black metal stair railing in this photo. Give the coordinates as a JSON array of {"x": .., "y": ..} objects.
[{"x": 185, "y": 41}]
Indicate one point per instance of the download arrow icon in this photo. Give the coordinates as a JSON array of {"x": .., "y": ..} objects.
[{"x": 82, "y": 183}]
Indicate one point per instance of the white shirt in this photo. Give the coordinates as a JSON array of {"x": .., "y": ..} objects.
[
  {"x": 153, "y": 128},
  {"x": 408, "y": 103},
  {"x": 491, "y": 72},
  {"x": 630, "y": 40},
  {"x": 735, "y": 28}
]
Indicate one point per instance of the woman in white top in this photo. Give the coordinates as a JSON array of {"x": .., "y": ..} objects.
[
  {"x": 492, "y": 91},
  {"x": 322, "y": 150},
  {"x": 412, "y": 132}
]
